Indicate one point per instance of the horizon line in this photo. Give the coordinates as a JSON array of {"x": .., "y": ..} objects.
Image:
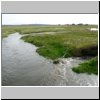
[{"x": 52, "y": 24}]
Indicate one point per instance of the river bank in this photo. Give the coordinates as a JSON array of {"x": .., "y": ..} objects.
[
  {"x": 70, "y": 44},
  {"x": 22, "y": 66}
]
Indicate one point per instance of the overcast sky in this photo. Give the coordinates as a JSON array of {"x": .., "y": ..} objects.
[{"x": 15, "y": 19}]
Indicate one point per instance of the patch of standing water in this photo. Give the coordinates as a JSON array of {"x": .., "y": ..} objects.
[
  {"x": 21, "y": 65},
  {"x": 42, "y": 33},
  {"x": 93, "y": 29}
]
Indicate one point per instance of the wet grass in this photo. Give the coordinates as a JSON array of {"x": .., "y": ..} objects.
[
  {"x": 89, "y": 67},
  {"x": 68, "y": 41},
  {"x": 27, "y": 29},
  {"x": 67, "y": 44}
]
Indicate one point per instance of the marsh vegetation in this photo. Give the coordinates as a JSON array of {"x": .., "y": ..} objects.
[{"x": 66, "y": 41}]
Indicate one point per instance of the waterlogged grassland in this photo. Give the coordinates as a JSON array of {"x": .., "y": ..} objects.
[
  {"x": 65, "y": 44},
  {"x": 67, "y": 41},
  {"x": 27, "y": 29}
]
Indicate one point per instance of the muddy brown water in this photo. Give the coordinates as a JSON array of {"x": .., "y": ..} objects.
[{"x": 23, "y": 66}]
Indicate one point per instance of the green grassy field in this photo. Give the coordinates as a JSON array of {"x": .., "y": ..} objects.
[
  {"x": 26, "y": 29},
  {"x": 67, "y": 40},
  {"x": 67, "y": 44}
]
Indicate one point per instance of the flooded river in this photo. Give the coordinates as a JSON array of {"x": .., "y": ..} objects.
[{"x": 23, "y": 66}]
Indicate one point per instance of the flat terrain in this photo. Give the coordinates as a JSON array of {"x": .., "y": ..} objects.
[{"x": 61, "y": 41}]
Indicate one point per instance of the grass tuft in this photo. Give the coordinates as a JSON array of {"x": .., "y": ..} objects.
[{"x": 89, "y": 67}]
